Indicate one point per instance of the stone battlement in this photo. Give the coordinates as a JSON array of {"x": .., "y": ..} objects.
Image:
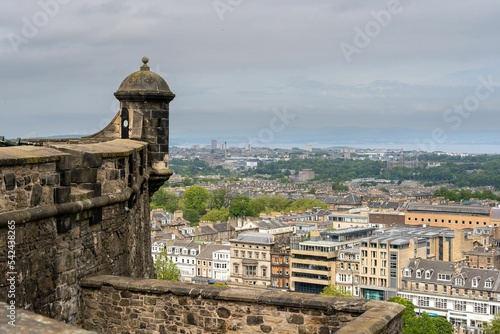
[{"x": 113, "y": 304}]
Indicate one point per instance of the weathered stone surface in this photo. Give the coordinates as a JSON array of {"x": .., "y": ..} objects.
[{"x": 207, "y": 313}]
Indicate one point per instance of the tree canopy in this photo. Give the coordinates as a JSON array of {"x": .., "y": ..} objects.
[
  {"x": 166, "y": 269},
  {"x": 196, "y": 197},
  {"x": 335, "y": 291},
  {"x": 493, "y": 327},
  {"x": 423, "y": 324}
]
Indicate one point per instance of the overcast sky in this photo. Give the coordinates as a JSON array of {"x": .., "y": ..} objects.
[{"x": 234, "y": 64}]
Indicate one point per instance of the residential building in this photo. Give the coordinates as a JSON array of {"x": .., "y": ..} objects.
[
  {"x": 251, "y": 258},
  {"x": 466, "y": 297},
  {"x": 183, "y": 253},
  {"x": 382, "y": 259},
  {"x": 347, "y": 270},
  {"x": 213, "y": 263},
  {"x": 280, "y": 262},
  {"x": 312, "y": 262}
]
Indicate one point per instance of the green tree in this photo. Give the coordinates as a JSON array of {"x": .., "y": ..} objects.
[
  {"x": 219, "y": 199},
  {"x": 165, "y": 200},
  {"x": 337, "y": 186},
  {"x": 335, "y": 291},
  {"x": 493, "y": 327},
  {"x": 240, "y": 207},
  {"x": 166, "y": 269},
  {"x": 443, "y": 326},
  {"x": 215, "y": 215},
  {"x": 423, "y": 324},
  {"x": 192, "y": 216},
  {"x": 303, "y": 204},
  {"x": 195, "y": 198}
]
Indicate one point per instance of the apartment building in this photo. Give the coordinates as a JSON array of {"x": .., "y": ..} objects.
[
  {"x": 347, "y": 270},
  {"x": 466, "y": 297},
  {"x": 212, "y": 264},
  {"x": 312, "y": 262},
  {"x": 251, "y": 258},
  {"x": 382, "y": 259},
  {"x": 183, "y": 253},
  {"x": 280, "y": 265}
]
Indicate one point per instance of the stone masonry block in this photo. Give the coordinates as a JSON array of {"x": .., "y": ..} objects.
[
  {"x": 92, "y": 160},
  {"x": 84, "y": 175},
  {"x": 62, "y": 194},
  {"x": 65, "y": 178},
  {"x": 64, "y": 163},
  {"x": 10, "y": 180}
]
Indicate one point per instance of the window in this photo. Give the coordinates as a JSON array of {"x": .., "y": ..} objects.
[
  {"x": 481, "y": 308},
  {"x": 264, "y": 272},
  {"x": 250, "y": 270},
  {"x": 444, "y": 277},
  {"x": 488, "y": 283},
  {"x": 417, "y": 286},
  {"x": 441, "y": 303},
  {"x": 242, "y": 254},
  {"x": 419, "y": 273},
  {"x": 423, "y": 301},
  {"x": 459, "y": 305},
  {"x": 428, "y": 274},
  {"x": 475, "y": 282},
  {"x": 459, "y": 281},
  {"x": 236, "y": 269},
  {"x": 235, "y": 253}
]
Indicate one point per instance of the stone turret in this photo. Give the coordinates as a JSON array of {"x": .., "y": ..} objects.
[{"x": 144, "y": 115}]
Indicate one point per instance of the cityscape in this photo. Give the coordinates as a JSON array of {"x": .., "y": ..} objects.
[
  {"x": 369, "y": 237},
  {"x": 253, "y": 167}
]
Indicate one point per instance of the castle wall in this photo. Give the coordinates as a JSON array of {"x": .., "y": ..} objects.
[
  {"x": 69, "y": 211},
  {"x": 117, "y": 305}
]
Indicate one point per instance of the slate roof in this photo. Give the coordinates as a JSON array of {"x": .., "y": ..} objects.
[
  {"x": 444, "y": 267},
  {"x": 254, "y": 238},
  {"x": 209, "y": 249},
  {"x": 350, "y": 199},
  {"x": 456, "y": 209}
]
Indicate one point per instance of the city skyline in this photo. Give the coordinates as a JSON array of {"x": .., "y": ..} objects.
[{"x": 256, "y": 68}]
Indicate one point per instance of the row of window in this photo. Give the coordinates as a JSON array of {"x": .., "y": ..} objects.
[
  {"x": 250, "y": 254},
  {"x": 445, "y": 304},
  {"x": 449, "y": 221}
]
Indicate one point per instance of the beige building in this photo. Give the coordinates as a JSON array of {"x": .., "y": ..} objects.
[
  {"x": 382, "y": 259},
  {"x": 313, "y": 262},
  {"x": 450, "y": 216},
  {"x": 251, "y": 259}
]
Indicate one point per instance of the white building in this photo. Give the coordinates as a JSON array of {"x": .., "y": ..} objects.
[{"x": 184, "y": 253}]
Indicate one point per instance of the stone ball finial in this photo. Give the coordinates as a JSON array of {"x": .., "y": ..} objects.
[{"x": 145, "y": 66}]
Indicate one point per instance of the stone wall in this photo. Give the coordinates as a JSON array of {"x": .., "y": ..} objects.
[
  {"x": 113, "y": 304},
  {"x": 75, "y": 210}
]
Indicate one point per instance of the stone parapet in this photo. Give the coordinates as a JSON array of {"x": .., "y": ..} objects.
[
  {"x": 112, "y": 304},
  {"x": 21, "y": 321}
]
